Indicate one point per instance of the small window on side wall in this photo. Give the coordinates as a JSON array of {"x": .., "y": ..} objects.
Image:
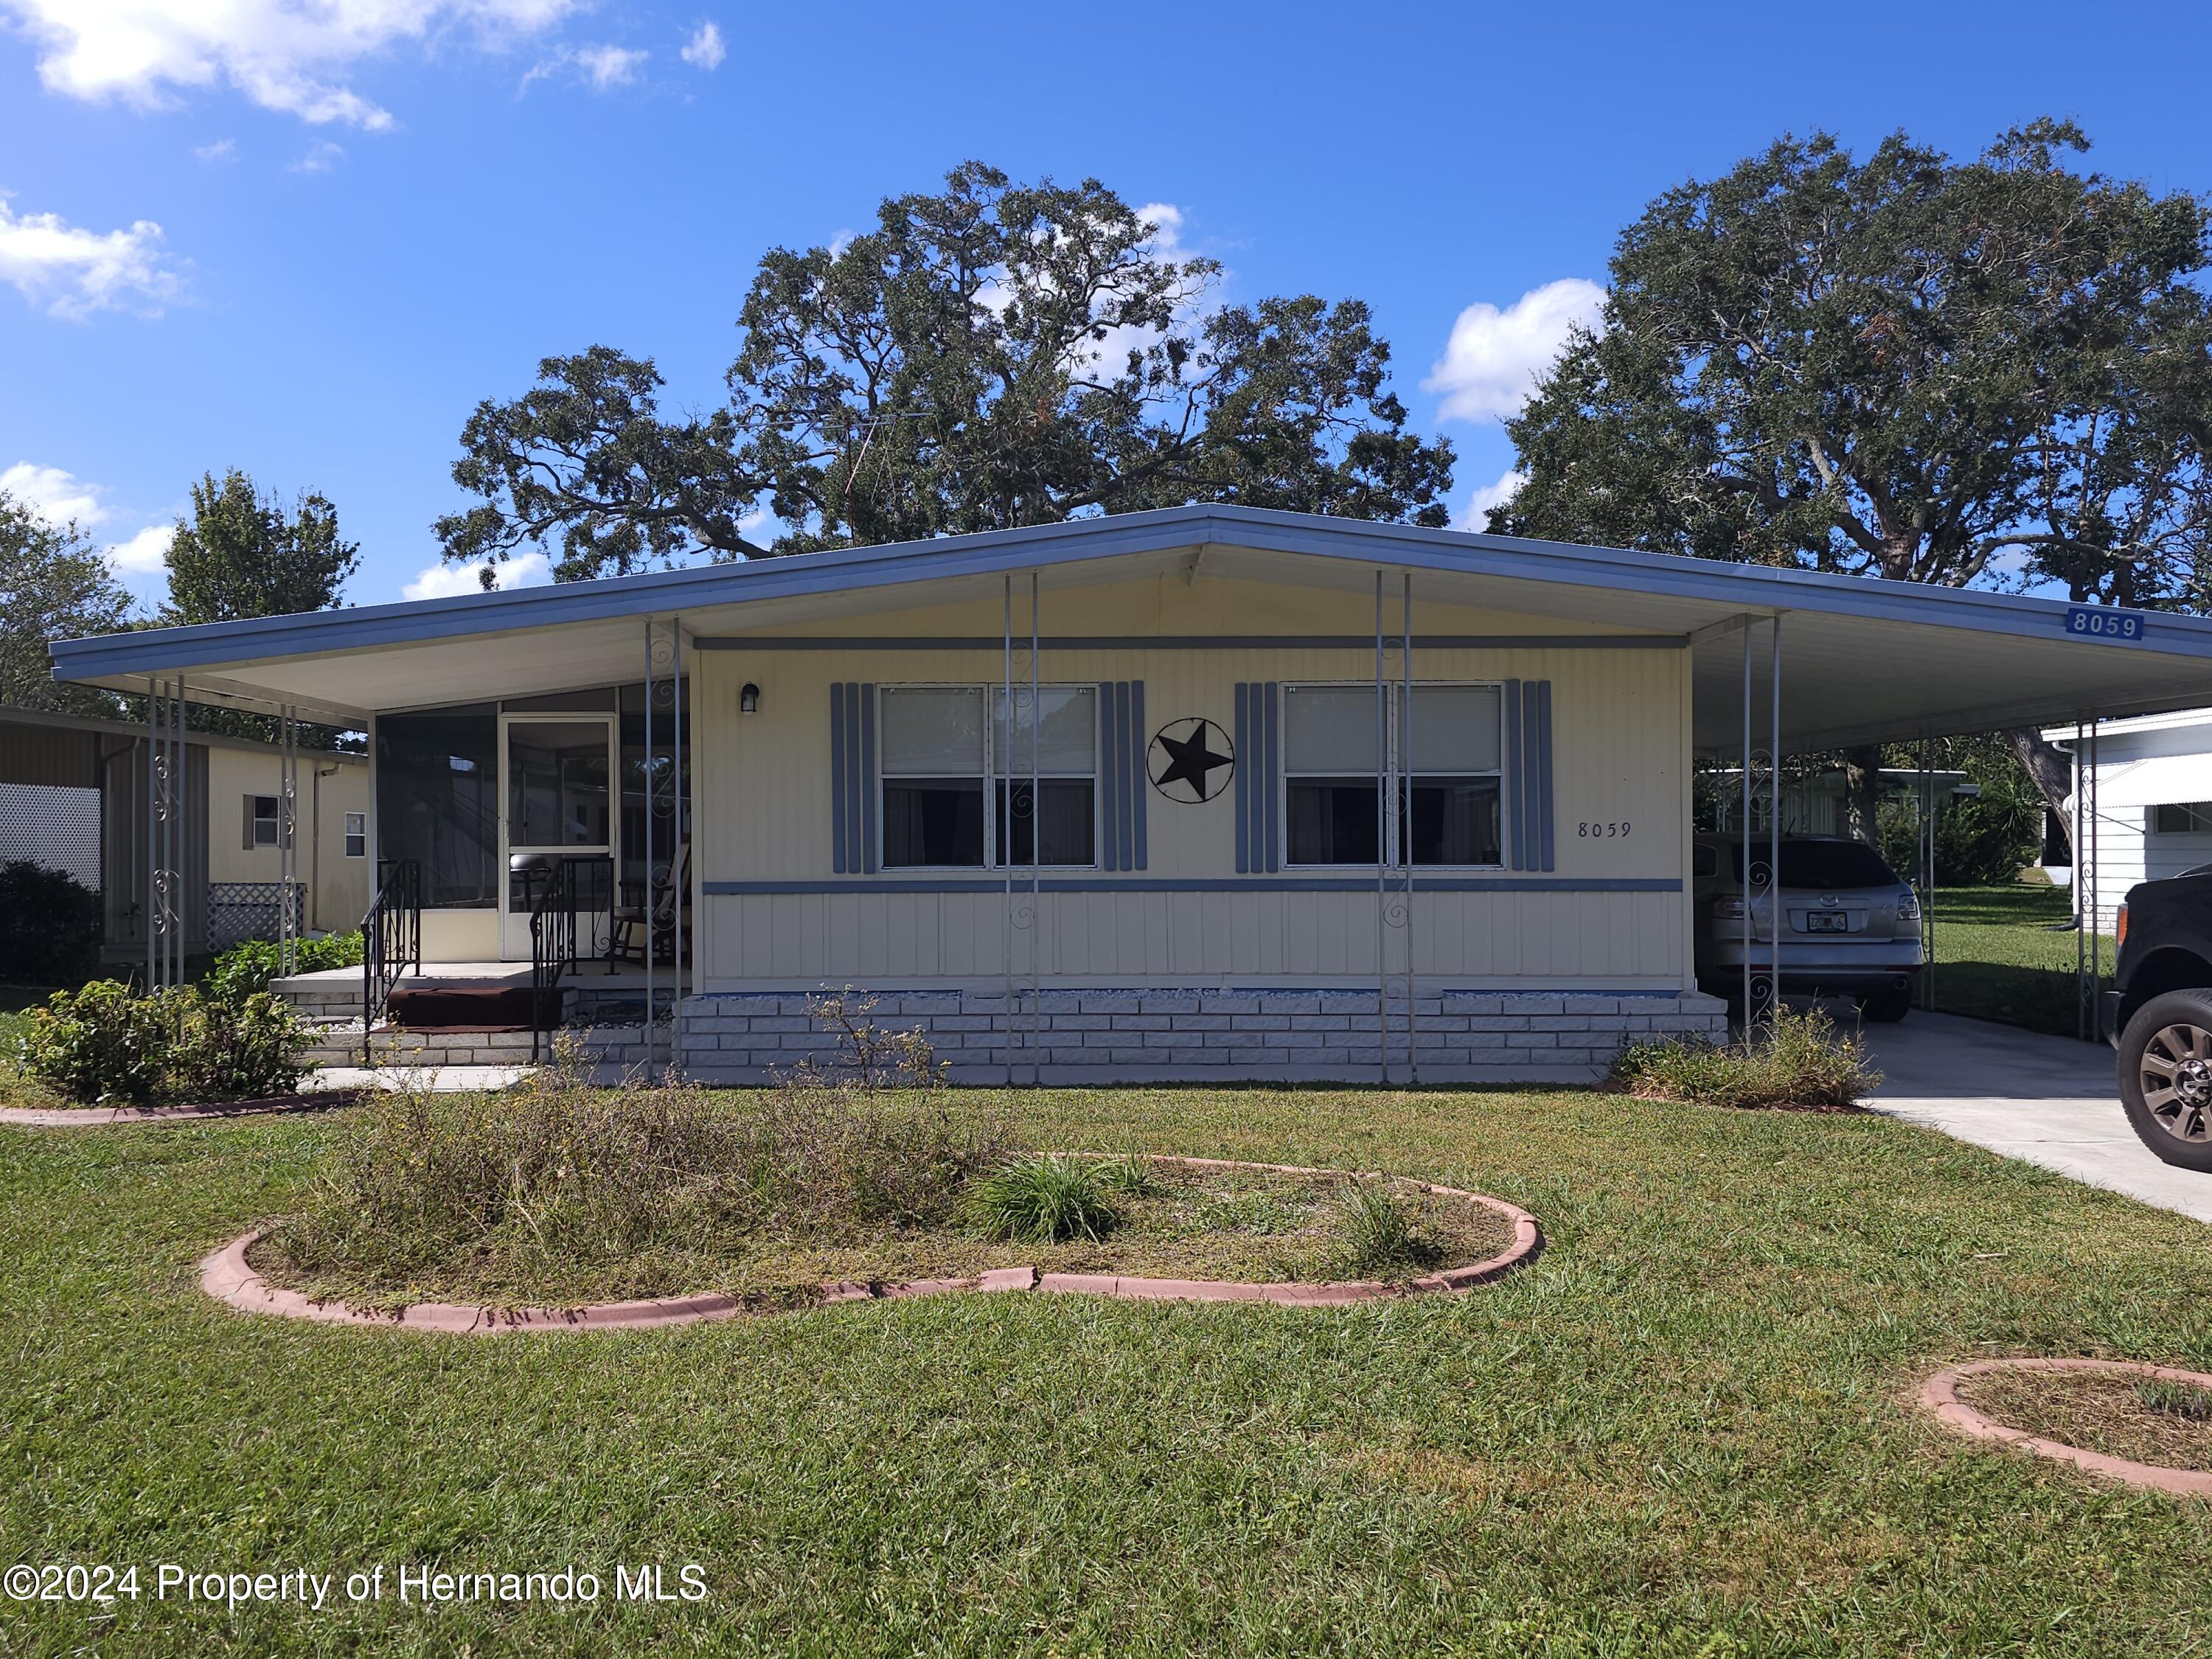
[
  {"x": 262, "y": 824},
  {"x": 2188, "y": 817},
  {"x": 356, "y": 834}
]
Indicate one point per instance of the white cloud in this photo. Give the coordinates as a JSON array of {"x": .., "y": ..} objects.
[
  {"x": 1487, "y": 496},
  {"x": 1492, "y": 362},
  {"x": 145, "y": 552},
  {"x": 321, "y": 159},
  {"x": 74, "y": 272},
  {"x": 444, "y": 581},
  {"x": 223, "y": 149},
  {"x": 705, "y": 49},
  {"x": 55, "y": 496},
  {"x": 284, "y": 55},
  {"x": 601, "y": 66}
]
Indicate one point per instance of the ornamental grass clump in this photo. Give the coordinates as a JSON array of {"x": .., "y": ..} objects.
[
  {"x": 1795, "y": 1060},
  {"x": 1370, "y": 1236},
  {"x": 1046, "y": 1200}
]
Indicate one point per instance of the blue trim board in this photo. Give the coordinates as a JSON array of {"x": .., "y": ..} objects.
[
  {"x": 767, "y": 643},
  {"x": 1205, "y": 884},
  {"x": 1075, "y": 542}
]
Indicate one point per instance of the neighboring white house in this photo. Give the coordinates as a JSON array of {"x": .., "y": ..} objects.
[
  {"x": 2151, "y": 791},
  {"x": 72, "y": 799}
]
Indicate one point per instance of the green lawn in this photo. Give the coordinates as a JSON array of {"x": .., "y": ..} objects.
[
  {"x": 1683, "y": 1430},
  {"x": 1999, "y": 956}
]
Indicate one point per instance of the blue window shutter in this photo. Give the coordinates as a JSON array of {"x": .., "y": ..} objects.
[
  {"x": 1271, "y": 779},
  {"x": 1257, "y": 739},
  {"x": 867, "y": 771},
  {"x": 840, "y": 806},
  {"x": 1543, "y": 769},
  {"x": 1242, "y": 739},
  {"x": 1140, "y": 781},
  {"x": 1111, "y": 783},
  {"x": 1516, "y": 790}
]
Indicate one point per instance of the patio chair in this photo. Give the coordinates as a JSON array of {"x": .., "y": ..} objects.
[{"x": 652, "y": 925}]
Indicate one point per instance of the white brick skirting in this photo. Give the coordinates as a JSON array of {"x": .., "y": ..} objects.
[{"x": 1139, "y": 1036}]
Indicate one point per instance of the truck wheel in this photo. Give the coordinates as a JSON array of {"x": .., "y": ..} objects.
[
  {"x": 2166, "y": 1077},
  {"x": 1887, "y": 1006}
]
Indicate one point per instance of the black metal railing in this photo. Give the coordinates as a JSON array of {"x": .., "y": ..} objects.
[
  {"x": 391, "y": 941},
  {"x": 559, "y": 890}
]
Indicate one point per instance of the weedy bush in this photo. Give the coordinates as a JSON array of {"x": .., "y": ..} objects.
[
  {"x": 559, "y": 1168},
  {"x": 106, "y": 1045},
  {"x": 249, "y": 965},
  {"x": 1796, "y": 1060},
  {"x": 1370, "y": 1234},
  {"x": 1046, "y": 1200}
]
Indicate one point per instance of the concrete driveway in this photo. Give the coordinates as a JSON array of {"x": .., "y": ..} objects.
[{"x": 2044, "y": 1099}]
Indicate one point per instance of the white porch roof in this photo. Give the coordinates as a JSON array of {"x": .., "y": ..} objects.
[{"x": 1862, "y": 660}]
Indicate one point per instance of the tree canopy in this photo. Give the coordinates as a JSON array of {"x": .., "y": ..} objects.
[
  {"x": 1996, "y": 372},
  {"x": 242, "y": 554},
  {"x": 990, "y": 355},
  {"x": 54, "y": 584}
]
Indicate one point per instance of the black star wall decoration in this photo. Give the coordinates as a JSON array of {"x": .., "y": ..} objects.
[{"x": 1190, "y": 761}]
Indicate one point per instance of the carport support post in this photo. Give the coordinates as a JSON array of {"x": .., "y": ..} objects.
[
  {"x": 1743, "y": 801},
  {"x": 2081, "y": 889},
  {"x": 1774, "y": 827}
]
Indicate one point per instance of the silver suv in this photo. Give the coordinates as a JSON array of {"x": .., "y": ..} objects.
[{"x": 1850, "y": 927}]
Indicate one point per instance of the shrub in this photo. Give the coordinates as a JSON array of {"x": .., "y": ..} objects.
[
  {"x": 50, "y": 926},
  {"x": 104, "y": 1045},
  {"x": 1796, "y": 1060},
  {"x": 101, "y": 1044},
  {"x": 1046, "y": 1200},
  {"x": 1370, "y": 1234},
  {"x": 250, "y": 964}
]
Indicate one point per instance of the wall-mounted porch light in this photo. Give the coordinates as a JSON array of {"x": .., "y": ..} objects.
[{"x": 749, "y": 699}]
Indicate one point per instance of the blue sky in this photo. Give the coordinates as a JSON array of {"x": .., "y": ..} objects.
[{"x": 305, "y": 238}]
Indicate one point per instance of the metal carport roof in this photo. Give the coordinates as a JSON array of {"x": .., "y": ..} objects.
[{"x": 1863, "y": 660}]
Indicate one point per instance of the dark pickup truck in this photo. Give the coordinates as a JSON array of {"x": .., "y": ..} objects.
[{"x": 2158, "y": 1016}]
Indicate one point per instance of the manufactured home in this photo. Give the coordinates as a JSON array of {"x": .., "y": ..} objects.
[
  {"x": 1207, "y": 792},
  {"x": 2142, "y": 803}
]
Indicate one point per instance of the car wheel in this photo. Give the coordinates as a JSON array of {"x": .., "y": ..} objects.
[
  {"x": 2166, "y": 1077},
  {"x": 1887, "y": 1006}
]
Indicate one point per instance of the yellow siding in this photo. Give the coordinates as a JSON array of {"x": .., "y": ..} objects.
[{"x": 762, "y": 811}]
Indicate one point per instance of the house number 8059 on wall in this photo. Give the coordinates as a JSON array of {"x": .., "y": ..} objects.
[{"x": 1606, "y": 831}]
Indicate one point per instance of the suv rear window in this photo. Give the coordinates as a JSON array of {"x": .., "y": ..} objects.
[{"x": 1824, "y": 867}]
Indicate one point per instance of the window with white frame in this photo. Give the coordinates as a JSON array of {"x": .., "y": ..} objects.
[
  {"x": 942, "y": 759},
  {"x": 2187, "y": 817},
  {"x": 356, "y": 834},
  {"x": 1449, "y": 759},
  {"x": 263, "y": 822}
]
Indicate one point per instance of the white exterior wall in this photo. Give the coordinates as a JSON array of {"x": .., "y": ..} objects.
[
  {"x": 337, "y": 886},
  {"x": 2136, "y": 771},
  {"x": 762, "y": 813}
]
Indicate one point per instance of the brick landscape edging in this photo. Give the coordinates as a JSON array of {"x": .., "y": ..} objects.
[
  {"x": 77, "y": 1117},
  {"x": 1940, "y": 1393},
  {"x": 230, "y": 1278}
]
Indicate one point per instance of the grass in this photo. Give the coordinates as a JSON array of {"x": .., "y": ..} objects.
[
  {"x": 1998, "y": 957},
  {"x": 1683, "y": 1430}
]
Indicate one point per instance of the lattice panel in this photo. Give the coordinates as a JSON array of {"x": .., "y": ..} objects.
[{"x": 52, "y": 825}]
